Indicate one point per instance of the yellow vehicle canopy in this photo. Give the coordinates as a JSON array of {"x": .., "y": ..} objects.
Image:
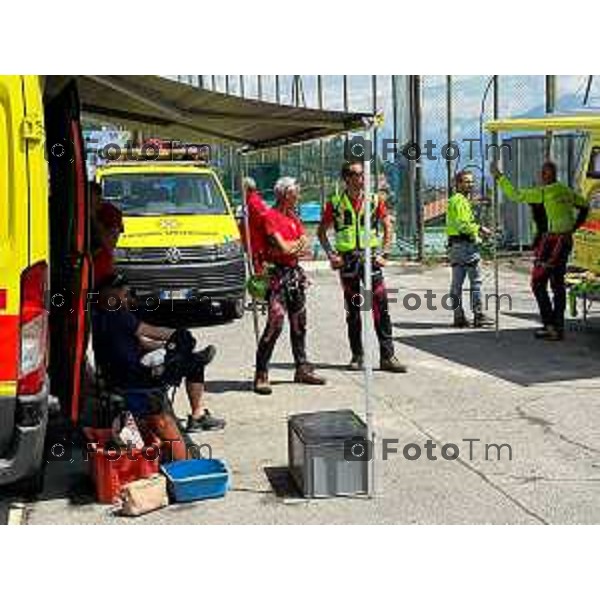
[{"x": 575, "y": 121}]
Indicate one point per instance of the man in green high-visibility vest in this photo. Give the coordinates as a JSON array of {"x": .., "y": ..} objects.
[
  {"x": 345, "y": 213},
  {"x": 463, "y": 250},
  {"x": 565, "y": 212}
]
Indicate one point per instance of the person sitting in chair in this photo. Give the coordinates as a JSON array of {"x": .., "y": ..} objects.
[{"x": 121, "y": 339}]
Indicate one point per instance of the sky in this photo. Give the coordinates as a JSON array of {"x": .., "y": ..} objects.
[{"x": 518, "y": 92}]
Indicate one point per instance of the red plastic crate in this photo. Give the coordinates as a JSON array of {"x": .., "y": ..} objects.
[{"x": 111, "y": 471}]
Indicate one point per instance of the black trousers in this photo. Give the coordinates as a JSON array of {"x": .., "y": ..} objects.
[
  {"x": 287, "y": 294},
  {"x": 550, "y": 267},
  {"x": 351, "y": 276}
]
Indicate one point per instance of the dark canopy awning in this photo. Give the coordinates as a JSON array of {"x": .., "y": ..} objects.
[{"x": 165, "y": 108}]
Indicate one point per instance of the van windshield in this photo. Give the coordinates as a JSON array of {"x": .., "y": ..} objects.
[{"x": 164, "y": 194}]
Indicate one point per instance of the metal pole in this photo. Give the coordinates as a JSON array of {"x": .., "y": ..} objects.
[
  {"x": 449, "y": 165},
  {"x": 296, "y": 91},
  {"x": 408, "y": 128},
  {"x": 550, "y": 107},
  {"x": 227, "y": 84},
  {"x": 375, "y": 136},
  {"x": 416, "y": 118},
  {"x": 242, "y": 91},
  {"x": 259, "y": 90},
  {"x": 395, "y": 110},
  {"x": 588, "y": 89},
  {"x": 321, "y": 142},
  {"x": 345, "y": 97},
  {"x": 496, "y": 216},
  {"x": 200, "y": 81},
  {"x": 278, "y": 100},
  {"x": 520, "y": 207},
  {"x": 249, "y": 257},
  {"x": 570, "y": 160},
  {"x": 213, "y": 80},
  {"x": 230, "y": 155},
  {"x": 345, "y": 92},
  {"x": 367, "y": 321}
]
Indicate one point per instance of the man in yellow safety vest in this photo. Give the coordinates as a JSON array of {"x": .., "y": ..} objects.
[
  {"x": 565, "y": 212},
  {"x": 345, "y": 213},
  {"x": 463, "y": 250}
]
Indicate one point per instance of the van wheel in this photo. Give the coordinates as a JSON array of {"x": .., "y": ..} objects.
[{"x": 233, "y": 309}]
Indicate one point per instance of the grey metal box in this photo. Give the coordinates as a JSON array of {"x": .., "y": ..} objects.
[{"x": 316, "y": 443}]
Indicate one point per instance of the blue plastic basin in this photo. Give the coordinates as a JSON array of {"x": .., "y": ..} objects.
[{"x": 197, "y": 479}]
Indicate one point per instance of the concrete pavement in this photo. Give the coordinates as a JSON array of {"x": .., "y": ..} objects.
[{"x": 541, "y": 398}]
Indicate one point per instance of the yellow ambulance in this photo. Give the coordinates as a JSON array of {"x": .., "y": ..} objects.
[
  {"x": 181, "y": 241},
  {"x": 44, "y": 232}
]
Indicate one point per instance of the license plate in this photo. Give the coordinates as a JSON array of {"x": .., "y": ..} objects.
[{"x": 175, "y": 294}]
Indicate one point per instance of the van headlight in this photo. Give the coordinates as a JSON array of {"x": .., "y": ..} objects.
[{"x": 230, "y": 249}]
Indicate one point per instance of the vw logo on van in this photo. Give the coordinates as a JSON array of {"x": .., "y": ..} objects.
[{"x": 173, "y": 255}]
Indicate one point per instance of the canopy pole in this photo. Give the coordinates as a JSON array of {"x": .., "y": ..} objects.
[
  {"x": 242, "y": 163},
  {"x": 496, "y": 218},
  {"x": 367, "y": 321}
]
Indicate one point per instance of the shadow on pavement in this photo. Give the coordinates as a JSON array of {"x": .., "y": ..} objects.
[
  {"x": 516, "y": 356},
  {"x": 224, "y": 386},
  {"x": 317, "y": 366},
  {"x": 282, "y": 482},
  {"x": 418, "y": 325}
]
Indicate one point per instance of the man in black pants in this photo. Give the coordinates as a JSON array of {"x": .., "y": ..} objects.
[
  {"x": 345, "y": 213},
  {"x": 565, "y": 211},
  {"x": 120, "y": 341}
]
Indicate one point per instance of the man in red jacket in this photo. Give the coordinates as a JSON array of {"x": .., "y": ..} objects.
[{"x": 257, "y": 217}]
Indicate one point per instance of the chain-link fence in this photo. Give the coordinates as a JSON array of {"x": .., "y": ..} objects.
[{"x": 451, "y": 112}]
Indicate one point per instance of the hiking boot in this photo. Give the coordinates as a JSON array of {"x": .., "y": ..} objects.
[
  {"x": 392, "y": 365},
  {"x": 356, "y": 363},
  {"x": 204, "y": 423},
  {"x": 550, "y": 334},
  {"x": 206, "y": 355},
  {"x": 481, "y": 320},
  {"x": 305, "y": 374},
  {"x": 262, "y": 385}
]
